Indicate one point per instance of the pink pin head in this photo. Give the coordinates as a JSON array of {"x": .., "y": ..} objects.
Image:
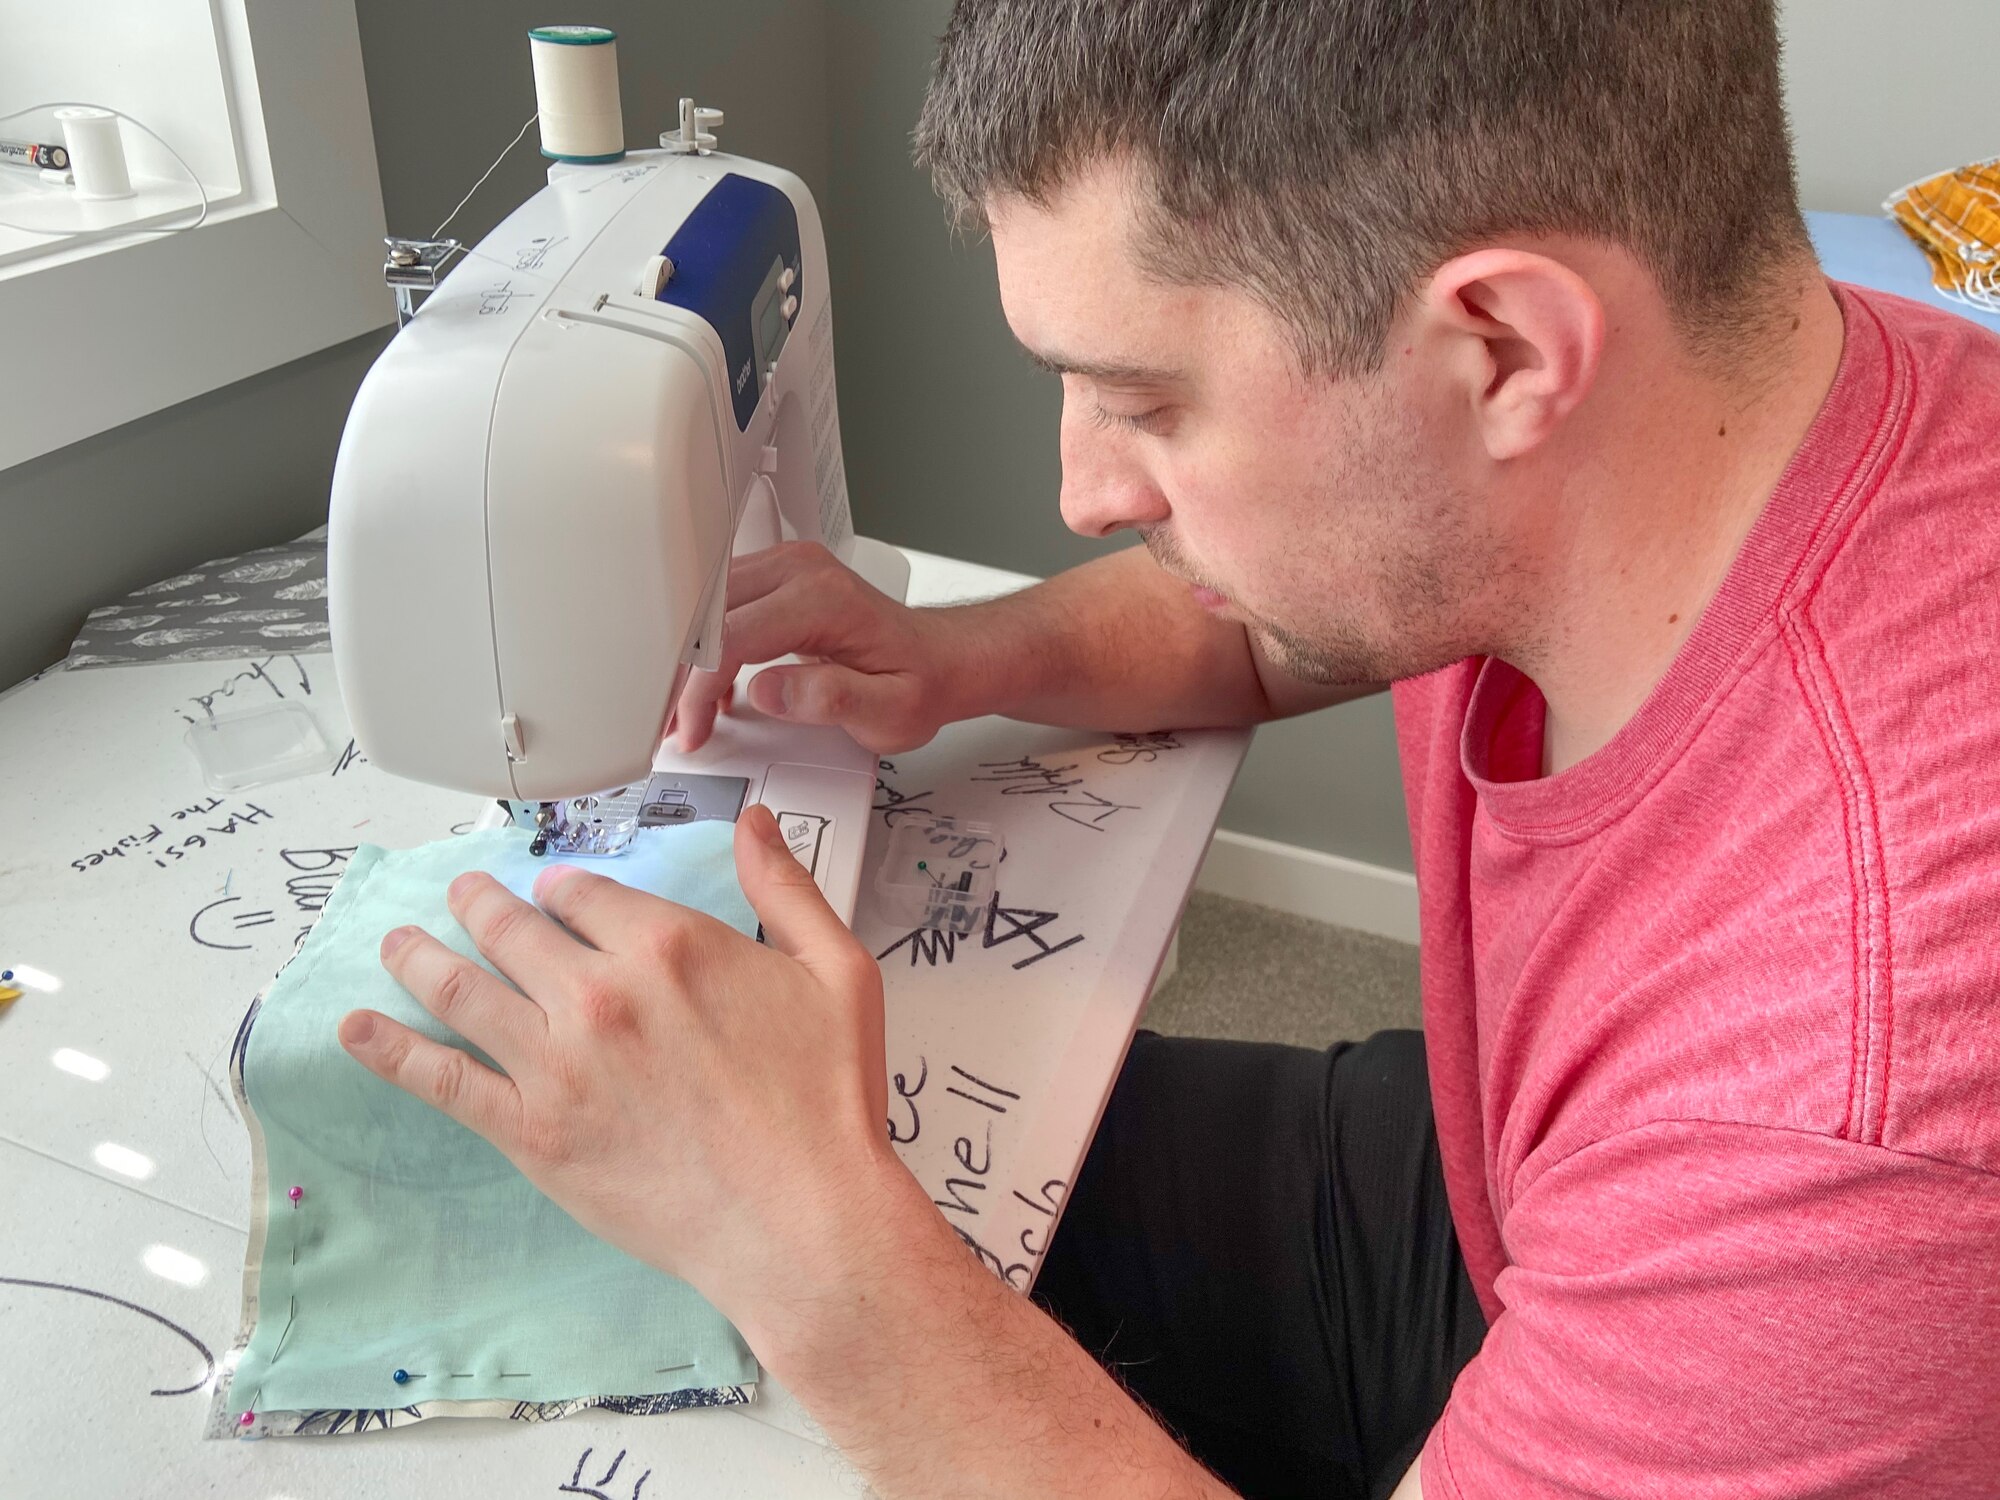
[
  {"x": 295, "y": 1193},
  {"x": 247, "y": 1419}
]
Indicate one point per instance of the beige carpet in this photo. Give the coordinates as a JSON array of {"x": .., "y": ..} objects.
[{"x": 1260, "y": 975}]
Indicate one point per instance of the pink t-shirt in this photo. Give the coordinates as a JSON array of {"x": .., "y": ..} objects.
[{"x": 1713, "y": 1017}]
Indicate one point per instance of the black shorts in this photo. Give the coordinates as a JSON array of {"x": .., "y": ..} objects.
[{"x": 1259, "y": 1247}]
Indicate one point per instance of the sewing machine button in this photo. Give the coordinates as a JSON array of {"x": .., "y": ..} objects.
[
  {"x": 510, "y": 736},
  {"x": 653, "y": 280},
  {"x": 791, "y": 308},
  {"x": 785, "y": 279}
]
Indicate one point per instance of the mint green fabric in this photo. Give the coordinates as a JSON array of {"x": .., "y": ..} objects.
[{"x": 417, "y": 1246}]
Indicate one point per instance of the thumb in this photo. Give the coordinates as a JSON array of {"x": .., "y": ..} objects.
[
  {"x": 874, "y": 707},
  {"x": 797, "y": 921}
]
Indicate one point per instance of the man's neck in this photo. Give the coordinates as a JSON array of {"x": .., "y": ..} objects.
[{"x": 1686, "y": 462}]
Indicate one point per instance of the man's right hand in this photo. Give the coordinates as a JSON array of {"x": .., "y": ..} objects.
[
  {"x": 882, "y": 670},
  {"x": 1114, "y": 644}
]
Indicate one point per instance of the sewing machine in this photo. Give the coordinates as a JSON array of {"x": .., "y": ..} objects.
[{"x": 543, "y": 479}]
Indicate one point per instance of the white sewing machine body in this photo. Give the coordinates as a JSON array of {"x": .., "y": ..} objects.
[{"x": 542, "y": 480}]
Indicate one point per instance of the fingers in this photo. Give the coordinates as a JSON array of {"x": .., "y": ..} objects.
[
  {"x": 615, "y": 918},
  {"x": 443, "y": 1077},
  {"x": 878, "y": 708},
  {"x": 797, "y": 921},
  {"x": 704, "y": 695},
  {"x": 795, "y": 599},
  {"x": 500, "y": 1021},
  {"x": 755, "y": 574},
  {"x": 520, "y": 942}
]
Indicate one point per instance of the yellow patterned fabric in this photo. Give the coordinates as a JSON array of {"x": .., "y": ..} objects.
[{"x": 1955, "y": 217}]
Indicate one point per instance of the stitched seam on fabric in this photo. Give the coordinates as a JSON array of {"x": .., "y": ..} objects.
[
  {"x": 1809, "y": 624},
  {"x": 1877, "y": 900},
  {"x": 1501, "y": 1203},
  {"x": 331, "y": 911},
  {"x": 1855, "y": 486},
  {"x": 1444, "y": 1453},
  {"x": 1857, "y": 1005},
  {"x": 1665, "y": 1121},
  {"x": 1898, "y": 402}
]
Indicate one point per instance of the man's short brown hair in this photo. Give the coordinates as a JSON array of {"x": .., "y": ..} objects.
[{"x": 1327, "y": 155}]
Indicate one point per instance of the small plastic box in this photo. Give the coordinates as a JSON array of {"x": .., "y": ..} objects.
[
  {"x": 939, "y": 873},
  {"x": 257, "y": 746}
]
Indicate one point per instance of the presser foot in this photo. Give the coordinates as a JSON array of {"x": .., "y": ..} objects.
[{"x": 604, "y": 823}]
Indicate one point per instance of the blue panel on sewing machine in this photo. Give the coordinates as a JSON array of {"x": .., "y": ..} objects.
[{"x": 736, "y": 265}]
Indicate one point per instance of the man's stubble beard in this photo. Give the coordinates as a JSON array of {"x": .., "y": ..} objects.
[{"x": 1338, "y": 649}]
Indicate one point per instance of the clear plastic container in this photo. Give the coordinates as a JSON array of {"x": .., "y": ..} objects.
[
  {"x": 939, "y": 873},
  {"x": 257, "y": 746}
]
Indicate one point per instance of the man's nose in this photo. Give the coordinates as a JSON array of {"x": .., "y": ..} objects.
[{"x": 1103, "y": 490}]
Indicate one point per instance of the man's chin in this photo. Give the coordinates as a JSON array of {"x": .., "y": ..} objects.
[{"x": 1349, "y": 664}]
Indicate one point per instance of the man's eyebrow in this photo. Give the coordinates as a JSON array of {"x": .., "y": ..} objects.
[{"x": 1112, "y": 371}]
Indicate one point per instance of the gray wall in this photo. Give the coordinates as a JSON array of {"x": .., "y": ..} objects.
[
  {"x": 448, "y": 85},
  {"x": 1881, "y": 94},
  {"x": 950, "y": 434}
]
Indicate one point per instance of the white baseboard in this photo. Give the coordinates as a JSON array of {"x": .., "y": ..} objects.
[{"x": 1309, "y": 883}]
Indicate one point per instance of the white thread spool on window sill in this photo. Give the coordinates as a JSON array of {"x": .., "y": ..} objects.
[{"x": 96, "y": 153}]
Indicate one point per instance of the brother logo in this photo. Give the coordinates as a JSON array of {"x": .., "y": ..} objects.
[{"x": 741, "y": 376}]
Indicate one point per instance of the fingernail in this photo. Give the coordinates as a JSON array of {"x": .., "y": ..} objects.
[
  {"x": 767, "y": 828},
  {"x": 396, "y": 939},
  {"x": 778, "y": 695},
  {"x": 549, "y": 878},
  {"x": 459, "y": 888},
  {"x": 357, "y": 1029}
]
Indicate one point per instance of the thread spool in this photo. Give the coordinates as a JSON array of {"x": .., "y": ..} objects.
[
  {"x": 576, "y": 92},
  {"x": 96, "y": 152}
]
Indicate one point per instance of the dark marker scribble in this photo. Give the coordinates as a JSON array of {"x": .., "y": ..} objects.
[
  {"x": 1003, "y": 925},
  {"x": 990, "y": 1087},
  {"x": 194, "y": 927},
  {"x": 1052, "y": 1195},
  {"x": 1068, "y": 797},
  {"x": 208, "y": 1360},
  {"x": 909, "y": 1096},
  {"x": 1133, "y": 748},
  {"x": 595, "y": 1489}
]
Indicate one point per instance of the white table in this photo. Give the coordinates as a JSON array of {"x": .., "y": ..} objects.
[{"x": 143, "y": 914}]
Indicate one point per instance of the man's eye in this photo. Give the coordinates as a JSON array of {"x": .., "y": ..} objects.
[{"x": 1151, "y": 421}]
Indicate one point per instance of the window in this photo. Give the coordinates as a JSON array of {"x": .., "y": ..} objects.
[{"x": 265, "y": 102}]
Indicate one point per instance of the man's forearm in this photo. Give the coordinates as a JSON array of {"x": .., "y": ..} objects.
[
  {"x": 938, "y": 1379},
  {"x": 1118, "y": 644}
]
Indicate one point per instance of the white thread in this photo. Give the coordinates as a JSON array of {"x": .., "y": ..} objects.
[
  {"x": 576, "y": 93},
  {"x": 96, "y": 152},
  {"x": 487, "y": 173}
]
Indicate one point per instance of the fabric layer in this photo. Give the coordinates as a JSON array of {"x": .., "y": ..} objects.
[{"x": 414, "y": 1245}]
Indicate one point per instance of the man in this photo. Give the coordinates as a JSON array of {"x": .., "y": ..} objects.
[{"x": 1474, "y": 346}]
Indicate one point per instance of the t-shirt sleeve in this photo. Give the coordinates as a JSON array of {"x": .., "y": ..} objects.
[{"x": 1714, "y": 1310}]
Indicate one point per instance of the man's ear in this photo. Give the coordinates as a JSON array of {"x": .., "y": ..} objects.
[{"x": 1528, "y": 332}]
